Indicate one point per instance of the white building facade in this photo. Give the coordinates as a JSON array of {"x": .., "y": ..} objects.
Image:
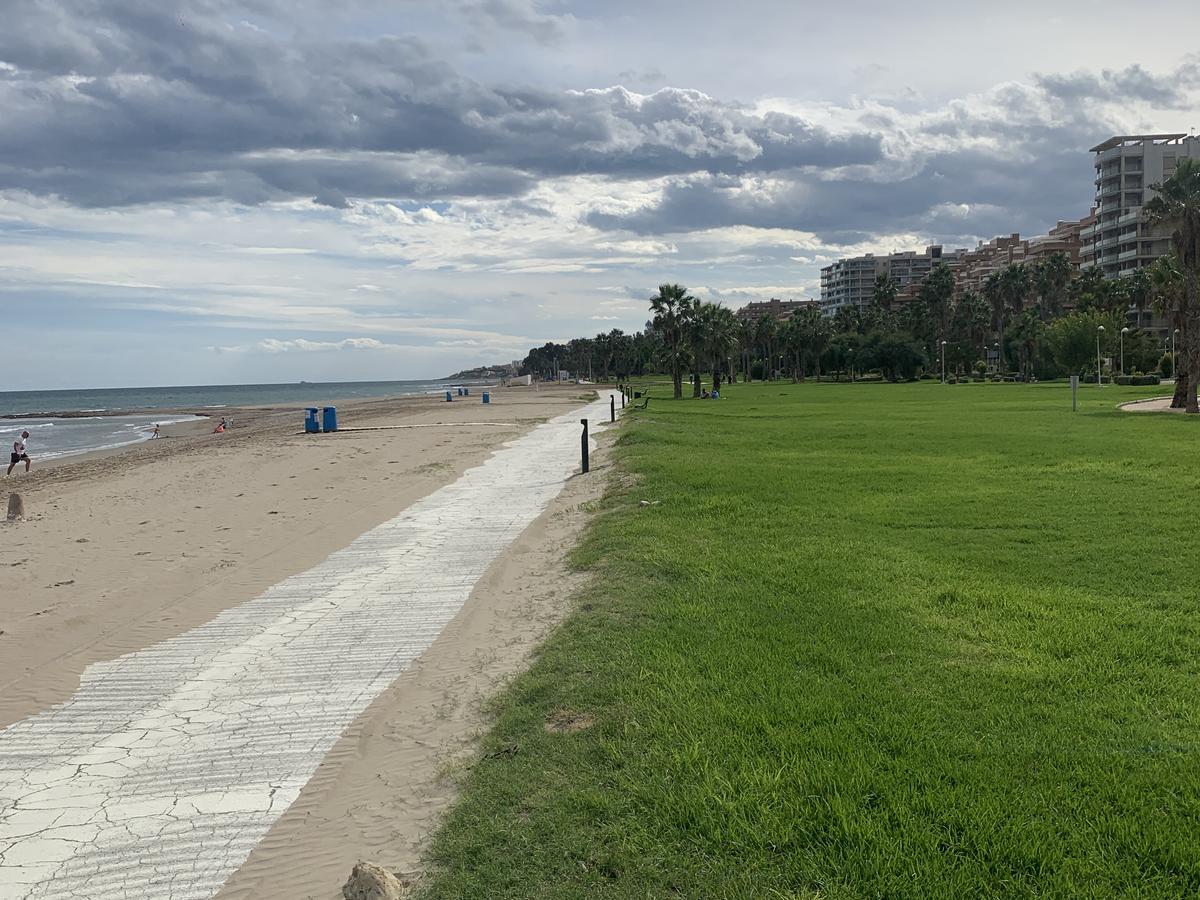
[
  {"x": 851, "y": 281},
  {"x": 1127, "y": 166}
]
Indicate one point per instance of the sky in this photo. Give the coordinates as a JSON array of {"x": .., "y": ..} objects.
[{"x": 230, "y": 191}]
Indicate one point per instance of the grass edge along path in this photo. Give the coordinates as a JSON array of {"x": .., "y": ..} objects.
[{"x": 874, "y": 641}]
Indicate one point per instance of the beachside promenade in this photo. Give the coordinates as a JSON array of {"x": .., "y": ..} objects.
[{"x": 167, "y": 766}]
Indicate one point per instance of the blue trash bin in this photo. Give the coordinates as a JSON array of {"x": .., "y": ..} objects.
[
  {"x": 487, "y": 398},
  {"x": 330, "y": 419},
  {"x": 311, "y": 425}
]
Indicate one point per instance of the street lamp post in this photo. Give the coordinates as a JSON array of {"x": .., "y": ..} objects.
[
  {"x": 1099, "y": 331},
  {"x": 997, "y": 347},
  {"x": 943, "y": 362},
  {"x": 1123, "y": 333},
  {"x": 1174, "y": 361}
]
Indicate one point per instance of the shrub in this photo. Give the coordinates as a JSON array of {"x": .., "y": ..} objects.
[{"x": 1166, "y": 365}]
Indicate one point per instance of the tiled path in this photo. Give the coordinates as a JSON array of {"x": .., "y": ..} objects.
[{"x": 167, "y": 766}]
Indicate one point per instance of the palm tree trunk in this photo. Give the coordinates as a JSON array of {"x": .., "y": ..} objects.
[
  {"x": 695, "y": 383},
  {"x": 1179, "y": 400},
  {"x": 677, "y": 383}
]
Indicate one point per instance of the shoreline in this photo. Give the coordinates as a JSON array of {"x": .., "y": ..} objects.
[
  {"x": 218, "y": 409},
  {"x": 248, "y": 417}
]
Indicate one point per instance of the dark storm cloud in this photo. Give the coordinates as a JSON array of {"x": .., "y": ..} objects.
[
  {"x": 1132, "y": 83},
  {"x": 950, "y": 197},
  {"x": 135, "y": 101}
]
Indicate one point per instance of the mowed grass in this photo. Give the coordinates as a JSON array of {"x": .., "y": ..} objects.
[{"x": 874, "y": 641}]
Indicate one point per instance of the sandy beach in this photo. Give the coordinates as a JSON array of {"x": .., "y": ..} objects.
[{"x": 122, "y": 550}]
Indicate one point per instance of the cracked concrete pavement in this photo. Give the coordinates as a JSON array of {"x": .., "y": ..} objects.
[{"x": 167, "y": 766}]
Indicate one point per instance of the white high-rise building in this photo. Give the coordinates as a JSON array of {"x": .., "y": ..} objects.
[{"x": 1127, "y": 167}]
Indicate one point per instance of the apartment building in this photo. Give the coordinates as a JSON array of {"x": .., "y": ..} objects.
[
  {"x": 1062, "y": 238},
  {"x": 780, "y": 310},
  {"x": 851, "y": 282},
  {"x": 1127, "y": 167},
  {"x": 975, "y": 266}
]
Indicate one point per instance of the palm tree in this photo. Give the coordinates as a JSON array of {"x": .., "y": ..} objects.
[
  {"x": 1177, "y": 206},
  {"x": 1027, "y": 332},
  {"x": 993, "y": 292},
  {"x": 1139, "y": 291},
  {"x": 766, "y": 335},
  {"x": 1051, "y": 277},
  {"x": 745, "y": 338},
  {"x": 884, "y": 294},
  {"x": 673, "y": 309},
  {"x": 814, "y": 334},
  {"x": 937, "y": 294},
  {"x": 722, "y": 337},
  {"x": 847, "y": 320},
  {"x": 697, "y": 337},
  {"x": 1166, "y": 290}
]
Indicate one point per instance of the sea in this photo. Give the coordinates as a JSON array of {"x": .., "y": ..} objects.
[{"x": 115, "y": 417}]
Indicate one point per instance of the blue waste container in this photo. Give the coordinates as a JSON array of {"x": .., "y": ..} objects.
[
  {"x": 449, "y": 397},
  {"x": 311, "y": 425},
  {"x": 487, "y": 398},
  {"x": 330, "y": 420}
]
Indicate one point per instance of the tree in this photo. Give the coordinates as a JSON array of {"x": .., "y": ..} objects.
[
  {"x": 1088, "y": 291},
  {"x": 894, "y": 353},
  {"x": 936, "y": 295},
  {"x": 1026, "y": 333},
  {"x": 766, "y": 334},
  {"x": 673, "y": 309},
  {"x": 848, "y": 319},
  {"x": 721, "y": 339},
  {"x": 969, "y": 323},
  {"x": 1051, "y": 278},
  {"x": 1166, "y": 291},
  {"x": 745, "y": 338},
  {"x": 1072, "y": 339},
  {"x": 1015, "y": 286},
  {"x": 993, "y": 292},
  {"x": 1177, "y": 206},
  {"x": 884, "y": 293}
]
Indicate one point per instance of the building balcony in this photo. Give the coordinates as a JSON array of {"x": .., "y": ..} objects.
[
  {"x": 1134, "y": 214},
  {"x": 1087, "y": 232},
  {"x": 1126, "y": 255}
]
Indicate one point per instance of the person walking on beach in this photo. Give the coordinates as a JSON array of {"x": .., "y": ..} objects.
[
  {"x": 20, "y": 453},
  {"x": 154, "y": 434}
]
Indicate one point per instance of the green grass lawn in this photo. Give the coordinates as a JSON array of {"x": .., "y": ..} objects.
[{"x": 875, "y": 641}]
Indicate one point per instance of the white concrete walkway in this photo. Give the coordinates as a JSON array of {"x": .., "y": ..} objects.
[{"x": 158, "y": 777}]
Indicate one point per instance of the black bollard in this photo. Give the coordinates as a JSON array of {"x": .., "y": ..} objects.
[
  {"x": 584, "y": 444},
  {"x": 622, "y": 399},
  {"x": 612, "y": 408}
]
